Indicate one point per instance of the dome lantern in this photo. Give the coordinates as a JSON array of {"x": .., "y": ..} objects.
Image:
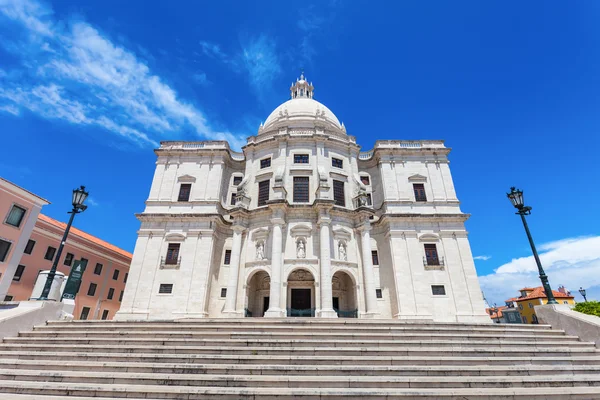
[{"x": 301, "y": 89}]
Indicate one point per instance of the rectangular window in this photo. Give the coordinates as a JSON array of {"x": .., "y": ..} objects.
[
  {"x": 378, "y": 293},
  {"x": 121, "y": 295},
  {"x": 524, "y": 320},
  {"x": 126, "y": 276},
  {"x": 69, "y": 259},
  {"x": 263, "y": 192},
  {"x": 375, "y": 257},
  {"x": 111, "y": 293},
  {"x": 105, "y": 314},
  {"x": 50, "y": 253},
  {"x": 165, "y": 288},
  {"x": 431, "y": 254},
  {"x": 419, "y": 190},
  {"x": 265, "y": 163},
  {"x": 184, "y": 192},
  {"x": 18, "y": 273},
  {"x": 116, "y": 274},
  {"x": 565, "y": 302},
  {"x": 438, "y": 290},
  {"x": 223, "y": 292},
  {"x": 232, "y": 201},
  {"x": 520, "y": 306},
  {"x": 369, "y": 199},
  {"x": 337, "y": 162},
  {"x": 365, "y": 180},
  {"x": 227, "y": 259},
  {"x": 98, "y": 269},
  {"x": 338, "y": 193},
  {"x": 301, "y": 192},
  {"x": 8, "y": 298},
  {"x": 15, "y": 216},
  {"x": 237, "y": 180},
  {"x": 85, "y": 312},
  {"x": 4, "y": 248},
  {"x": 29, "y": 247},
  {"x": 530, "y": 305},
  {"x": 300, "y": 158},
  {"x": 92, "y": 289},
  {"x": 172, "y": 254}
]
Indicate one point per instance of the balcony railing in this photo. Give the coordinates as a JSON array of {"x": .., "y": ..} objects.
[
  {"x": 347, "y": 313},
  {"x": 305, "y": 312},
  {"x": 170, "y": 263},
  {"x": 433, "y": 261}
]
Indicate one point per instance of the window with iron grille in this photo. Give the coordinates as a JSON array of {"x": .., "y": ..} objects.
[
  {"x": 29, "y": 247},
  {"x": 184, "y": 192},
  {"x": 172, "y": 254},
  {"x": 227, "y": 259},
  {"x": 105, "y": 314},
  {"x": 165, "y": 288},
  {"x": 223, "y": 292},
  {"x": 419, "y": 190},
  {"x": 378, "y": 293},
  {"x": 438, "y": 290},
  {"x": 375, "y": 257},
  {"x": 69, "y": 259},
  {"x": 18, "y": 273},
  {"x": 365, "y": 180},
  {"x": 263, "y": 192},
  {"x": 337, "y": 162},
  {"x": 92, "y": 289},
  {"x": 85, "y": 311},
  {"x": 265, "y": 163},
  {"x": 301, "y": 193},
  {"x": 4, "y": 248},
  {"x": 111, "y": 293},
  {"x": 50, "y": 253},
  {"x": 431, "y": 254},
  {"x": 237, "y": 180},
  {"x": 300, "y": 158},
  {"x": 338, "y": 193},
  {"x": 98, "y": 269},
  {"x": 15, "y": 216}
]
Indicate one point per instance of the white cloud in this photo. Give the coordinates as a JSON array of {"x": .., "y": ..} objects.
[
  {"x": 201, "y": 78},
  {"x": 92, "y": 202},
  {"x": 261, "y": 62},
  {"x": 572, "y": 262},
  {"x": 77, "y": 74},
  {"x": 483, "y": 258}
]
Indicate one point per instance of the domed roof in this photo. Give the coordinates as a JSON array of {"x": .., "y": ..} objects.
[{"x": 302, "y": 110}]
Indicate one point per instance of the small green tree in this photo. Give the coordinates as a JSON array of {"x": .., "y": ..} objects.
[{"x": 588, "y": 307}]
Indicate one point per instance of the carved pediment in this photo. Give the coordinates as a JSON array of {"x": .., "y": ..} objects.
[
  {"x": 186, "y": 179},
  {"x": 301, "y": 230},
  {"x": 175, "y": 236},
  {"x": 429, "y": 237},
  {"x": 260, "y": 234},
  {"x": 417, "y": 178},
  {"x": 342, "y": 234}
]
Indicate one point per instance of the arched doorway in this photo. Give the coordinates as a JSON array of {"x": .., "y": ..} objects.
[
  {"x": 344, "y": 295},
  {"x": 257, "y": 294},
  {"x": 301, "y": 294}
]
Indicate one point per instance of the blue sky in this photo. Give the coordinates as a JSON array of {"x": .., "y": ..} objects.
[{"x": 88, "y": 89}]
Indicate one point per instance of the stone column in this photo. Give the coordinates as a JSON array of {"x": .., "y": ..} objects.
[
  {"x": 234, "y": 272},
  {"x": 275, "y": 310},
  {"x": 326, "y": 310},
  {"x": 367, "y": 264}
]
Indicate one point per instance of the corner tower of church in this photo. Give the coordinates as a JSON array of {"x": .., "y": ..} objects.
[{"x": 303, "y": 223}]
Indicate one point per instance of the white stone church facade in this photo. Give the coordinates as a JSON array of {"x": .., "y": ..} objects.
[{"x": 302, "y": 223}]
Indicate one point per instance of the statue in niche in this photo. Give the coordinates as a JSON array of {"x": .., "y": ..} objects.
[
  {"x": 301, "y": 249},
  {"x": 260, "y": 250},
  {"x": 342, "y": 251}
]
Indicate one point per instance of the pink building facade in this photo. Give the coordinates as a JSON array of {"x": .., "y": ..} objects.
[{"x": 103, "y": 282}]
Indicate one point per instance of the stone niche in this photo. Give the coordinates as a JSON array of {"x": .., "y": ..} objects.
[{"x": 301, "y": 234}]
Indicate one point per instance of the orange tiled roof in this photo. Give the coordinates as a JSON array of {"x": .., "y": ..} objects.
[
  {"x": 495, "y": 315},
  {"x": 538, "y": 293},
  {"x": 511, "y": 300},
  {"x": 87, "y": 236}
]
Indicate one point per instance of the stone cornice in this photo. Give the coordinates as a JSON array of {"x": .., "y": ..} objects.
[{"x": 423, "y": 217}]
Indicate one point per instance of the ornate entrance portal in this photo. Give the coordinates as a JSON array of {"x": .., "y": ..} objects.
[
  {"x": 257, "y": 294},
  {"x": 301, "y": 294}
]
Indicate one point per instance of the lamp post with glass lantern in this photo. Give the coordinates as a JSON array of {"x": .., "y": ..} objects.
[
  {"x": 582, "y": 293},
  {"x": 516, "y": 198},
  {"x": 79, "y": 196}
]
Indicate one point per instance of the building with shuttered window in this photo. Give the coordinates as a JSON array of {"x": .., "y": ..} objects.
[{"x": 302, "y": 222}]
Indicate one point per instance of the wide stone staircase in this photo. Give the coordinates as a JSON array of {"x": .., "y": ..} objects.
[{"x": 296, "y": 358}]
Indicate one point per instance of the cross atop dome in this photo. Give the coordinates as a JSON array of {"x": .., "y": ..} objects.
[{"x": 301, "y": 89}]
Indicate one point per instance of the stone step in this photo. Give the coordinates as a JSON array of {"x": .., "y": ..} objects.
[
  {"x": 257, "y": 342},
  {"x": 296, "y": 381},
  {"x": 532, "y": 350},
  {"x": 81, "y": 391},
  {"x": 432, "y": 359},
  {"x": 331, "y": 370}
]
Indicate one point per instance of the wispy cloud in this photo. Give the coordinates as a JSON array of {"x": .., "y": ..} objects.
[
  {"x": 483, "y": 258},
  {"x": 92, "y": 202},
  {"x": 261, "y": 62},
  {"x": 213, "y": 50},
  {"x": 572, "y": 262},
  {"x": 77, "y": 74},
  {"x": 200, "y": 78}
]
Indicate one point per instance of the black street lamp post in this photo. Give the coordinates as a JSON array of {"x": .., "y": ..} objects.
[
  {"x": 516, "y": 198},
  {"x": 582, "y": 293},
  {"x": 79, "y": 196}
]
